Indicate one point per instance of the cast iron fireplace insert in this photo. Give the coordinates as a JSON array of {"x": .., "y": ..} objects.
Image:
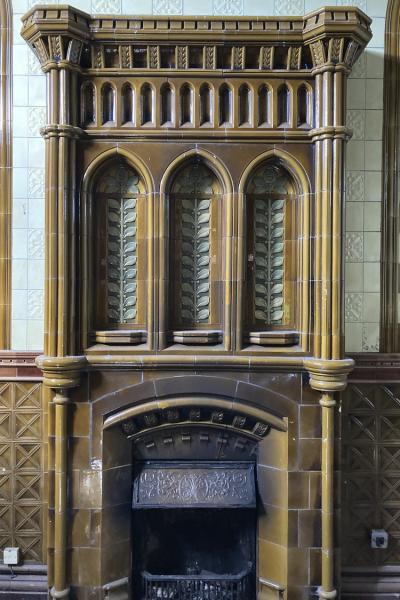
[{"x": 194, "y": 531}]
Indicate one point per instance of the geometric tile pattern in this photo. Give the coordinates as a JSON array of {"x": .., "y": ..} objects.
[
  {"x": 21, "y": 468},
  {"x": 371, "y": 472}
]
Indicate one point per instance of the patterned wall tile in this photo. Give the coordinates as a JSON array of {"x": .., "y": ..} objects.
[
  {"x": 356, "y": 122},
  {"x": 355, "y": 186},
  {"x": 106, "y": 6},
  {"x": 354, "y": 246},
  {"x": 21, "y": 475},
  {"x": 371, "y": 465},
  {"x": 227, "y": 7},
  {"x": 36, "y": 243},
  {"x": 289, "y": 7},
  {"x": 167, "y": 7},
  {"x": 353, "y": 307}
]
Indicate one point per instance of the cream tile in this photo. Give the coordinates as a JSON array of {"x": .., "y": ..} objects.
[
  {"x": 376, "y": 8},
  {"x": 373, "y": 186},
  {"x": 19, "y": 304},
  {"x": 20, "y": 243},
  {"x": 36, "y": 153},
  {"x": 371, "y": 307},
  {"x": 20, "y": 90},
  {"x": 371, "y": 277},
  {"x": 353, "y": 312},
  {"x": 354, "y": 186},
  {"x": 359, "y": 68},
  {"x": 20, "y": 152},
  {"x": 20, "y": 213},
  {"x": 354, "y": 277},
  {"x": 35, "y": 334},
  {"x": 373, "y": 155},
  {"x": 375, "y": 63},
  {"x": 356, "y": 93},
  {"x": 378, "y": 33},
  {"x": 372, "y": 216},
  {"x": 19, "y": 274},
  {"x": 36, "y": 213},
  {"x": 35, "y": 274},
  {"x": 20, "y": 60},
  {"x": 145, "y": 7},
  {"x": 373, "y": 124},
  {"x": 18, "y": 334},
  {"x": 354, "y": 216},
  {"x": 353, "y": 337},
  {"x": 355, "y": 156},
  {"x": 17, "y": 39},
  {"x": 372, "y": 243},
  {"x": 20, "y": 6},
  {"x": 20, "y": 121},
  {"x": 20, "y": 182},
  {"x": 37, "y": 91},
  {"x": 370, "y": 337},
  {"x": 374, "y": 93}
]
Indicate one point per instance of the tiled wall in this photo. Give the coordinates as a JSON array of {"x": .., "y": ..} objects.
[{"x": 365, "y": 108}]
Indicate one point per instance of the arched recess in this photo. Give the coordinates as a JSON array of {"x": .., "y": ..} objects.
[
  {"x": 5, "y": 173},
  {"x": 125, "y": 268},
  {"x": 390, "y": 248},
  {"x": 190, "y": 417},
  {"x": 201, "y": 208},
  {"x": 275, "y": 222}
]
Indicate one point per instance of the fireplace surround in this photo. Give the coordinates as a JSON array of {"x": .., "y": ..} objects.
[{"x": 194, "y": 244}]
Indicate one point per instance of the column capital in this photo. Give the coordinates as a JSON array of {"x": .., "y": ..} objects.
[
  {"x": 61, "y": 372},
  {"x": 328, "y": 375}
]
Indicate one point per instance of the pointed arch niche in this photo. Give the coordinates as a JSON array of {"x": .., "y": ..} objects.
[
  {"x": 194, "y": 198},
  {"x": 273, "y": 299},
  {"x": 117, "y": 265}
]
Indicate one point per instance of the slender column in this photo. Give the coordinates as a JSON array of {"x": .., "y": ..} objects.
[
  {"x": 327, "y": 403},
  {"x": 60, "y": 588},
  {"x": 5, "y": 173}
]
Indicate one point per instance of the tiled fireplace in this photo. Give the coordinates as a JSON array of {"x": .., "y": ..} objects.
[{"x": 193, "y": 335}]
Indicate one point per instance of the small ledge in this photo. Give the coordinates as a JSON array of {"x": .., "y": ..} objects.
[
  {"x": 273, "y": 338},
  {"x": 197, "y": 337},
  {"x": 121, "y": 336}
]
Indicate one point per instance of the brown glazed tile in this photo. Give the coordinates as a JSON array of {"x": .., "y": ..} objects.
[
  {"x": 272, "y": 486},
  {"x": 298, "y": 489},
  {"x": 315, "y": 566},
  {"x": 310, "y": 421},
  {"x": 275, "y": 569},
  {"x": 117, "y": 449},
  {"x": 309, "y": 528},
  {"x": 89, "y": 566},
  {"x": 116, "y": 562},
  {"x": 310, "y": 454},
  {"x": 297, "y": 566},
  {"x": 117, "y": 486},
  {"x": 273, "y": 525},
  {"x": 84, "y": 527},
  {"x": 273, "y": 450},
  {"x": 79, "y": 452},
  {"x": 116, "y": 524},
  {"x": 80, "y": 419},
  {"x": 90, "y": 490},
  {"x": 315, "y": 489}
]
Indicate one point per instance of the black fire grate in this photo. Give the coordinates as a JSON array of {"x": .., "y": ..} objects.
[{"x": 197, "y": 587}]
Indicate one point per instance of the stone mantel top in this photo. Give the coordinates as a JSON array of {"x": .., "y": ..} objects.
[{"x": 339, "y": 21}]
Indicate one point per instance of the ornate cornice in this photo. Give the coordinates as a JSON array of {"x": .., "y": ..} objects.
[{"x": 65, "y": 35}]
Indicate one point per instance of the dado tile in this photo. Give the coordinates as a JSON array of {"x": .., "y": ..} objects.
[
  {"x": 373, "y": 186},
  {"x": 373, "y": 124},
  {"x": 372, "y": 216},
  {"x": 371, "y": 307}
]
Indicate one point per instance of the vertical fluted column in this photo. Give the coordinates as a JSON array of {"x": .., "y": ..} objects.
[{"x": 328, "y": 369}]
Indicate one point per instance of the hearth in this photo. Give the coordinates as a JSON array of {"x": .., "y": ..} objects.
[{"x": 194, "y": 531}]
